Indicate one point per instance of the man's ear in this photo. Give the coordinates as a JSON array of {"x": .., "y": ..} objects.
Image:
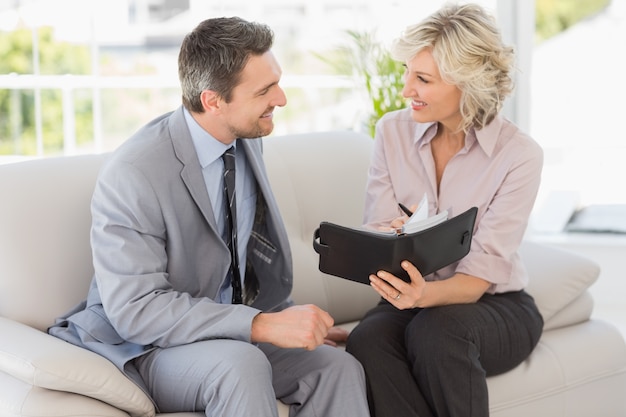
[{"x": 210, "y": 101}]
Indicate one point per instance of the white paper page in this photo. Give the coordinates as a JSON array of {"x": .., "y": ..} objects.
[
  {"x": 420, "y": 220},
  {"x": 421, "y": 213}
]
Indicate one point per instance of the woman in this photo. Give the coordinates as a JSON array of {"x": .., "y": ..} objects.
[{"x": 429, "y": 345}]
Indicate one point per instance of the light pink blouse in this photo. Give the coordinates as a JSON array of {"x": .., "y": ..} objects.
[{"x": 498, "y": 171}]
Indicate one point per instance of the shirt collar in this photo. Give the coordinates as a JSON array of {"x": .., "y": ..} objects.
[
  {"x": 207, "y": 147},
  {"x": 486, "y": 137}
]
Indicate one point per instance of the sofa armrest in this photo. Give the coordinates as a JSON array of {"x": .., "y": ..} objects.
[
  {"x": 577, "y": 311},
  {"x": 44, "y": 361},
  {"x": 557, "y": 278}
]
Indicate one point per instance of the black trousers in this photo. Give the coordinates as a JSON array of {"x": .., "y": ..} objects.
[{"x": 433, "y": 362}]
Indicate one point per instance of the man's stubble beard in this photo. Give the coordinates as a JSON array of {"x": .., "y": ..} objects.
[{"x": 253, "y": 132}]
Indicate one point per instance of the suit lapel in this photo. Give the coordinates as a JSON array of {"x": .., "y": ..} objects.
[{"x": 191, "y": 172}]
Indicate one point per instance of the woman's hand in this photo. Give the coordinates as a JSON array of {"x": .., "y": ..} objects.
[
  {"x": 335, "y": 336},
  {"x": 398, "y": 222},
  {"x": 401, "y": 294},
  {"x": 458, "y": 289}
]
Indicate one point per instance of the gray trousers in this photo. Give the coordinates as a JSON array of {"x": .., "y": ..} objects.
[
  {"x": 233, "y": 378},
  {"x": 434, "y": 362}
]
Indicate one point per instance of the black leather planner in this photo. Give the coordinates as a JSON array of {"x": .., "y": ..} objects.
[{"x": 354, "y": 254}]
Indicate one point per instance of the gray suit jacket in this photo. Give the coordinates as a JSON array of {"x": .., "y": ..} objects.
[{"x": 158, "y": 257}]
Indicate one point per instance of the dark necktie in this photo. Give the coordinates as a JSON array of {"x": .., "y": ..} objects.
[{"x": 231, "y": 222}]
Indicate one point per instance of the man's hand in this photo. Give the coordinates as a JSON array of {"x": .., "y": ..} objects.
[{"x": 303, "y": 326}]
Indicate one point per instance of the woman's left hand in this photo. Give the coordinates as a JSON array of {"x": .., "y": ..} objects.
[{"x": 401, "y": 294}]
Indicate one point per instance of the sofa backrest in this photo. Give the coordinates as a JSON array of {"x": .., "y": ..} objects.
[{"x": 45, "y": 255}]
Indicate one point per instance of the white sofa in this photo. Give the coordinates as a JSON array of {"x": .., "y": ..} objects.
[{"x": 578, "y": 368}]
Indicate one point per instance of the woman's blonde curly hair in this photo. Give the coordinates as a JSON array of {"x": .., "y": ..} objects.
[{"x": 467, "y": 47}]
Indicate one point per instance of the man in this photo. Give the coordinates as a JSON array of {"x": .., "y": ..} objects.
[{"x": 197, "y": 328}]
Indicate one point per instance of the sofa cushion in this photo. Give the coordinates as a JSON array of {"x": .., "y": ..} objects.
[
  {"x": 557, "y": 279},
  {"x": 558, "y": 380},
  {"x": 44, "y": 361},
  {"x": 23, "y": 399}
]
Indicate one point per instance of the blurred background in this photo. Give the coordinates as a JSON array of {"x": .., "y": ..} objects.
[{"x": 80, "y": 76}]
